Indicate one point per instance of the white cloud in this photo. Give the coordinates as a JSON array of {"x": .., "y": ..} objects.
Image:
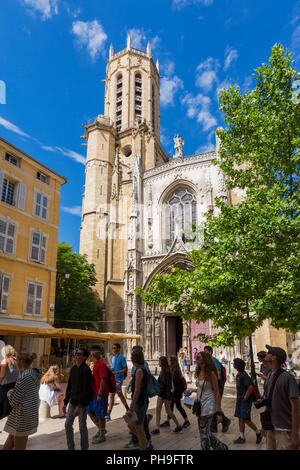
[
  {"x": 179, "y": 4},
  {"x": 66, "y": 152},
  {"x": 198, "y": 108},
  {"x": 138, "y": 38},
  {"x": 296, "y": 42},
  {"x": 168, "y": 68},
  {"x": 75, "y": 210},
  {"x": 168, "y": 89},
  {"x": 12, "y": 127},
  {"x": 155, "y": 42},
  {"x": 90, "y": 34},
  {"x": 46, "y": 8},
  {"x": 208, "y": 146},
  {"x": 230, "y": 56},
  {"x": 206, "y": 74}
]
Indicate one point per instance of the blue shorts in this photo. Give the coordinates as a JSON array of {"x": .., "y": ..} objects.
[
  {"x": 243, "y": 409},
  {"x": 98, "y": 409}
]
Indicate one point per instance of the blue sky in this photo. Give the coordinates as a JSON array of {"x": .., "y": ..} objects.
[{"x": 53, "y": 60}]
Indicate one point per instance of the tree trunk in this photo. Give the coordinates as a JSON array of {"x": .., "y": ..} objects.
[{"x": 253, "y": 373}]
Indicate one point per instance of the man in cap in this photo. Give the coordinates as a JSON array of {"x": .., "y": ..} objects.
[{"x": 284, "y": 408}]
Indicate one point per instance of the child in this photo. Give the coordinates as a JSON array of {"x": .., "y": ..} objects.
[{"x": 244, "y": 389}]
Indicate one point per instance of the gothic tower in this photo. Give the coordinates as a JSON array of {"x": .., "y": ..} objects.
[{"x": 121, "y": 145}]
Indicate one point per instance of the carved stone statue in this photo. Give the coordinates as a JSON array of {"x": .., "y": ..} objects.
[
  {"x": 148, "y": 332},
  {"x": 178, "y": 145},
  {"x": 157, "y": 336}
]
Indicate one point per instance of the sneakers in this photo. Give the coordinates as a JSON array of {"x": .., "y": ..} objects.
[
  {"x": 166, "y": 424},
  {"x": 131, "y": 445},
  {"x": 98, "y": 439},
  {"x": 155, "y": 431},
  {"x": 150, "y": 446},
  {"x": 226, "y": 425},
  {"x": 186, "y": 424},
  {"x": 178, "y": 429},
  {"x": 259, "y": 437},
  {"x": 239, "y": 440}
]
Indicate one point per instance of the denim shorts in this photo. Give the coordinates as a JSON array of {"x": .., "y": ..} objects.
[
  {"x": 243, "y": 409},
  {"x": 98, "y": 409}
]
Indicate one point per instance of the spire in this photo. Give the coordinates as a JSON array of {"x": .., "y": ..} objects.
[
  {"x": 149, "y": 49},
  {"x": 111, "y": 51},
  {"x": 128, "y": 42},
  {"x": 157, "y": 65}
]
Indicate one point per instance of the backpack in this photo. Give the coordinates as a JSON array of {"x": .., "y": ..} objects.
[
  {"x": 112, "y": 386},
  {"x": 152, "y": 388},
  {"x": 223, "y": 373}
]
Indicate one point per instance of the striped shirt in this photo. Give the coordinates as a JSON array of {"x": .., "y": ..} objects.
[{"x": 23, "y": 420}]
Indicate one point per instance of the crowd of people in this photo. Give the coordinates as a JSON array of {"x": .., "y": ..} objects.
[{"x": 94, "y": 381}]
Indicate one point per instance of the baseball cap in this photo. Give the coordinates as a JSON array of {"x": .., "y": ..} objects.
[{"x": 278, "y": 352}]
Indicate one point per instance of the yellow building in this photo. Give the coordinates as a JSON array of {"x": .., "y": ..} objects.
[{"x": 29, "y": 213}]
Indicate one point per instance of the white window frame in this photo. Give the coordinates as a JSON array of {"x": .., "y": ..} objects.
[
  {"x": 43, "y": 195},
  {"x": 41, "y": 246},
  {"x": 36, "y": 285},
  {"x": 4, "y": 277},
  {"x": 43, "y": 177},
  {"x": 9, "y": 181},
  {"x": 7, "y": 237},
  {"x": 12, "y": 159}
]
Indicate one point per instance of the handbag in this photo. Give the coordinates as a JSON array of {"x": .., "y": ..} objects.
[
  {"x": 188, "y": 401},
  {"x": 197, "y": 404}
]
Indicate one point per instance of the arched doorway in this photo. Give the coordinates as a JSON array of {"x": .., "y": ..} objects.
[{"x": 174, "y": 332}]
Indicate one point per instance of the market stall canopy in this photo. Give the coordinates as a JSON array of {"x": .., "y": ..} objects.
[{"x": 17, "y": 329}]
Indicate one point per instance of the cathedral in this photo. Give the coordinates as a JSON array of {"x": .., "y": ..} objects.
[{"x": 140, "y": 207}]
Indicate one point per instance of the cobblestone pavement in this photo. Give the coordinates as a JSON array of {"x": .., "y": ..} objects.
[{"x": 51, "y": 433}]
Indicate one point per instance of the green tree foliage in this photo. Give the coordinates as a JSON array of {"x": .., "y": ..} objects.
[
  {"x": 75, "y": 299},
  {"x": 248, "y": 268}
]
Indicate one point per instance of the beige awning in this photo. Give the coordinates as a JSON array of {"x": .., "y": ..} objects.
[{"x": 15, "y": 329}]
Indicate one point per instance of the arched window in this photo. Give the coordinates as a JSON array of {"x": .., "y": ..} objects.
[
  {"x": 138, "y": 97},
  {"x": 180, "y": 216},
  {"x": 119, "y": 92},
  {"x": 153, "y": 108}
]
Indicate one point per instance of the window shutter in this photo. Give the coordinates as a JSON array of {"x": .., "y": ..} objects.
[
  {"x": 35, "y": 246},
  {"x": 11, "y": 229},
  {"x": 38, "y": 202},
  {"x": 5, "y": 293},
  {"x": 43, "y": 249},
  {"x": 1, "y": 182},
  {"x": 38, "y": 300},
  {"x": 2, "y": 234},
  {"x": 30, "y": 298},
  {"x": 45, "y": 208},
  {"x": 21, "y": 196}
]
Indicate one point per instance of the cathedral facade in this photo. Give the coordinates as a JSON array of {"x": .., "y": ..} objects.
[{"x": 140, "y": 206}]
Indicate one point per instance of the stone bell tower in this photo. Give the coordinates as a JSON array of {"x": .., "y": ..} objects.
[{"x": 121, "y": 145}]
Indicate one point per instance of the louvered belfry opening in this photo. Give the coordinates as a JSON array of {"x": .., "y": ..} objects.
[
  {"x": 119, "y": 102},
  {"x": 138, "y": 98}
]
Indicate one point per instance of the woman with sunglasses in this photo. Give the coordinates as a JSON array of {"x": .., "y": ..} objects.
[
  {"x": 165, "y": 395},
  {"x": 208, "y": 395}
]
